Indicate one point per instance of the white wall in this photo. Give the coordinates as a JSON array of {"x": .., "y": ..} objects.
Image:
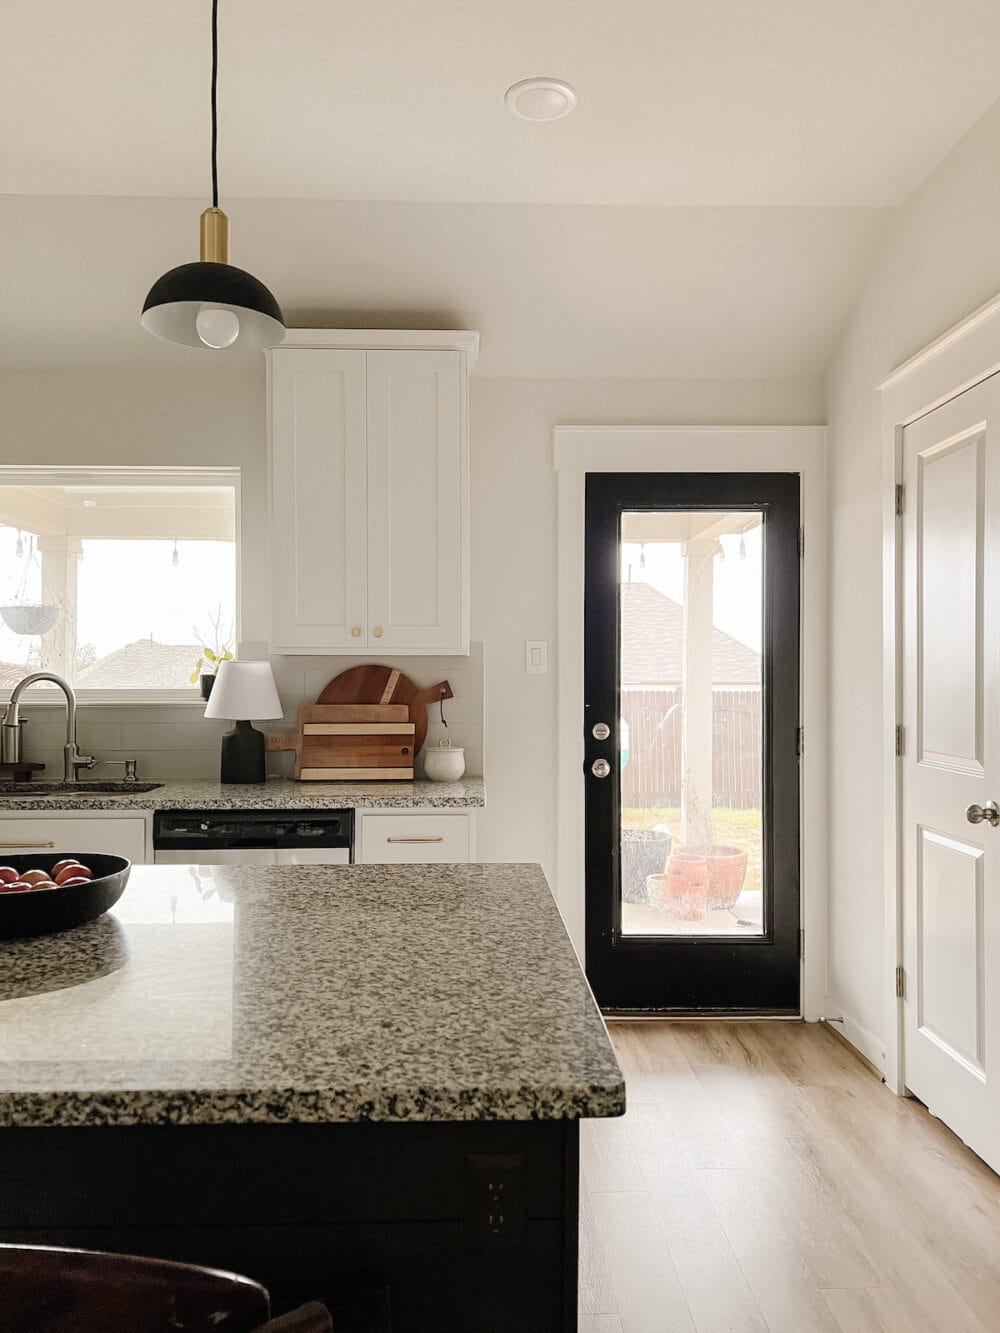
[
  {"x": 940, "y": 260},
  {"x": 142, "y": 419}
]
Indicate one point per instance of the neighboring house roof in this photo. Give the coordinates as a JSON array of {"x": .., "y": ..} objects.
[
  {"x": 653, "y": 643},
  {"x": 143, "y": 665}
]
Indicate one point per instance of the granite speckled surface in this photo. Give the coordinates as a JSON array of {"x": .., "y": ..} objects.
[
  {"x": 275, "y": 794},
  {"x": 228, "y": 994}
]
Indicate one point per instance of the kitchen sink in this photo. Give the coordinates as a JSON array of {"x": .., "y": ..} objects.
[{"x": 77, "y": 788}]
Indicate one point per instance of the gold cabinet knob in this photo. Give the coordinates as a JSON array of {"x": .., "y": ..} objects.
[
  {"x": 356, "y": 632},
  {"x": 377, "y": 631}
]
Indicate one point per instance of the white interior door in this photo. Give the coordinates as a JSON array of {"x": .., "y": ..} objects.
[
  {"x": 417, "y": 546},
  {"x": 318, "y": 486},
  {"x": 951, "y": 764}
]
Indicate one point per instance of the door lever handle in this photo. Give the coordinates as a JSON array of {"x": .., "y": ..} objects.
[{"x": 980, "y": 814}]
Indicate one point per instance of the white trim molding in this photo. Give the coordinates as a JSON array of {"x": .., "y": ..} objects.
[
  {"x": 578, "y": 450},
  {"x": 390, "y": 340},
  {"x": 965, "y": 355}
]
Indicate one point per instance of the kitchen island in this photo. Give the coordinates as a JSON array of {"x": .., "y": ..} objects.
[{"x": 337, "y": 1080}]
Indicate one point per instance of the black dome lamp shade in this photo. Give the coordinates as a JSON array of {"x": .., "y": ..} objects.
[{"x": 211, "y": 303}]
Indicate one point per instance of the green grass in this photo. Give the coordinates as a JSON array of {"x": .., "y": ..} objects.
[{"x": 737, "y": 828}]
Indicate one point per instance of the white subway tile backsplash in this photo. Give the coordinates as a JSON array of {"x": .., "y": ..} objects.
[{"x": 179, "y": 742}]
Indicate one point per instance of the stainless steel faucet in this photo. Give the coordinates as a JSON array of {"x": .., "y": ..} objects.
[{"x": 73, "y": 760}]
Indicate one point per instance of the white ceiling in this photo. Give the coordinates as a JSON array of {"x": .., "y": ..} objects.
[
  {"x": 682, "y": 102},
  {"x": 677, "y": 293}
]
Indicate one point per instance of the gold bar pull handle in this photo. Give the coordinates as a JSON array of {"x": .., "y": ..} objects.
[
  {"x": 438, "y": 839},
  {"x": 12, "y": 846}
]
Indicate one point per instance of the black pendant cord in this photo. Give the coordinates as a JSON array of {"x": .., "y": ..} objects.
[{"x": 215, "y": 115}]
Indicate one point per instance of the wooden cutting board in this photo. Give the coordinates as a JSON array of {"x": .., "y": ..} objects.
[
  {"x": 349, "y": 742},
  {"x": 385, "y": 685}
]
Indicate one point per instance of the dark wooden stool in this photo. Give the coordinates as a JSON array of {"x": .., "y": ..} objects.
[{"x": 81, "y": 1291}]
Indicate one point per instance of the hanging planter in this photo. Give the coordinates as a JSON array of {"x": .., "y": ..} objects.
[{"x": 30, "y": 618}]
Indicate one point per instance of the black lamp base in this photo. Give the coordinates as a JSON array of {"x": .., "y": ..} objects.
[{"x": 243, "y": 754}]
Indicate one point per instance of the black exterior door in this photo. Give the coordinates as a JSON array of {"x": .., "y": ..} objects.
[{"x": 692, "y": 741}]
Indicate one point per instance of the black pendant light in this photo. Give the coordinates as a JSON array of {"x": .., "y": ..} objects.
[{"x": 211, "y": 303}]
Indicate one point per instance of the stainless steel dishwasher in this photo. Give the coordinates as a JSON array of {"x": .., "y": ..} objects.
[{"x": 253, "y": 837}]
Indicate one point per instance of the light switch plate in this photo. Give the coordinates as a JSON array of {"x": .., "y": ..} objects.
[{"x": 536, "y": 657}]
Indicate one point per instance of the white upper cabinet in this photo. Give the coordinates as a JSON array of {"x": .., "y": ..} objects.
[
  {"x": 318, "y": 489},
  {"x": 369, "y": 492}
]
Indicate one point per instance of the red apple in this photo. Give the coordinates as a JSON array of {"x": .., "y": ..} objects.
[
  {"x": 17, "y": 886},
  {"x": 62, "y": 865},
  {"x": 8, "y": 874},
  {"x": 71, "y": 883},
  {"x": 71, "y": 872},
  {"x": 43, "y": 884},
  {"x": 34, "y": 876},
  {"x": 76, "y": 871}
]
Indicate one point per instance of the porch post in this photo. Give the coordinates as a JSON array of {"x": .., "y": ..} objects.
[
  {"x": 60, "y": 564},
  {"x": 696, "y": 731}
]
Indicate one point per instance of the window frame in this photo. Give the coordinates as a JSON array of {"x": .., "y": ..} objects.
[{"x": 70, "y": 475}]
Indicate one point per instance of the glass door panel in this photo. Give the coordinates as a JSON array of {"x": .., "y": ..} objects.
[{"x": 691, "y": 620}]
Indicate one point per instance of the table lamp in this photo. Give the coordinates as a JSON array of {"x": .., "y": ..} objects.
[{"x": 243, "y": 690}]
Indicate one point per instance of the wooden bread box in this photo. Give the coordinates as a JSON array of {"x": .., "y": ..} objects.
[{"x": 350, "y": 742}]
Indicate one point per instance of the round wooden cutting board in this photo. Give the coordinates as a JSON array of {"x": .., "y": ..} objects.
[{"x": 385, "y": 685}]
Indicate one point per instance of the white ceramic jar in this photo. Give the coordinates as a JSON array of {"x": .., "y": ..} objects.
[{"x": 444, "y": 762}]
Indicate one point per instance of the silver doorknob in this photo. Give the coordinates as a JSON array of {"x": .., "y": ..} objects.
[
  {"x": 600, "y": 768},
  {"x": 980, "y": 814}
]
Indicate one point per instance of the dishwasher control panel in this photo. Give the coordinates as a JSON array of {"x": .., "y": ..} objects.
[{"x": 235, "y": 830}]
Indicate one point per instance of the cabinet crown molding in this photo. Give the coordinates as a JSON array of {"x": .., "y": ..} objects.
[{"x": 451, "y": 340}]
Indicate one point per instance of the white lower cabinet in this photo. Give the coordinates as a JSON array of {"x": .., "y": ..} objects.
[
  {"x": 415, "y": 837},
  {"x": 73, "y": 832}
]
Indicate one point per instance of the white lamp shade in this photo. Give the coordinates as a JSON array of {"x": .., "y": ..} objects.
[{"x": 244, "y": 691}]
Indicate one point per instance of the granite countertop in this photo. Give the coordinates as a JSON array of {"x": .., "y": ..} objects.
[
  {"x": 275, "y": 794},
  {"x": 224, "y": 994}
]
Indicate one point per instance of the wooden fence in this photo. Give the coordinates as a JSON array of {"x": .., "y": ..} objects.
[{"x": 653, "y": 775}]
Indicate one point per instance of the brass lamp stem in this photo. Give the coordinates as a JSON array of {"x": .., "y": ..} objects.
[{"x": 214, "y": 236}]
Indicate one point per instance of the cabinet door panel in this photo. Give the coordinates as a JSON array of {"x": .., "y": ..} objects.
[
  {"x": 318, "y": 499},
  {"x": 72, "y": 834},
  {"x": 416, "y": 512}
]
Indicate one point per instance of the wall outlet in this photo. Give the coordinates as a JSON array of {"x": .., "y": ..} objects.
[{"x": 536, "y": 657}]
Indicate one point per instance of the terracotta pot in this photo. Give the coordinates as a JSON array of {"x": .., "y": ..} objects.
[
  {"x": 727, "y": 869},
  {"x": 682, "y": 892}
]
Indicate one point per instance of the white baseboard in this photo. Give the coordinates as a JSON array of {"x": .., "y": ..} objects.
[{"x": 861, "y": 1038}]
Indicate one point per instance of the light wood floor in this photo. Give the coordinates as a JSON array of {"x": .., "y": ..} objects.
[{"x": 763, "y": 1178}]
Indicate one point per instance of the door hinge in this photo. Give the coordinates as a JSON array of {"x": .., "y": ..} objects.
[
  {"x": 802, "y": 542},
  {"x": 800, "y": 741},
  {"x": 899, "y": 739},
  {"x": 900, "y": 983},
  {"x": 802, "y": 944},
  {"x": 900, "y": 495}
]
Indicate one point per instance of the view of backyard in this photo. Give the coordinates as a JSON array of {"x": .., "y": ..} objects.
[{"x": 690, "y": 724}]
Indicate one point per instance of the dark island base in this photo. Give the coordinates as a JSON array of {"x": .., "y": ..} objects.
[{"x": 464, "y": 1225}]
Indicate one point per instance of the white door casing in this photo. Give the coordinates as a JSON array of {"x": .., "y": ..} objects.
[
  {"x": 318, "y": 499},
  {"x": 950, "y": 685},
  {"x": 578, "y": 450}
]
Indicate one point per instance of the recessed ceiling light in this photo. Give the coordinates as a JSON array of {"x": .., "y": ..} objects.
[{"x": 541, "y": 99}]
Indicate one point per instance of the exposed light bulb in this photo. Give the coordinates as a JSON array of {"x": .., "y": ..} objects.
[
  {"x": 642, "y": 556},
  {"x": 217, "y": 327},
  {"x": 175, "y": 559}
]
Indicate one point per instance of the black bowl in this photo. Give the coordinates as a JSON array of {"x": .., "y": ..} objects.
[{"x": 45, "y": 911}]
